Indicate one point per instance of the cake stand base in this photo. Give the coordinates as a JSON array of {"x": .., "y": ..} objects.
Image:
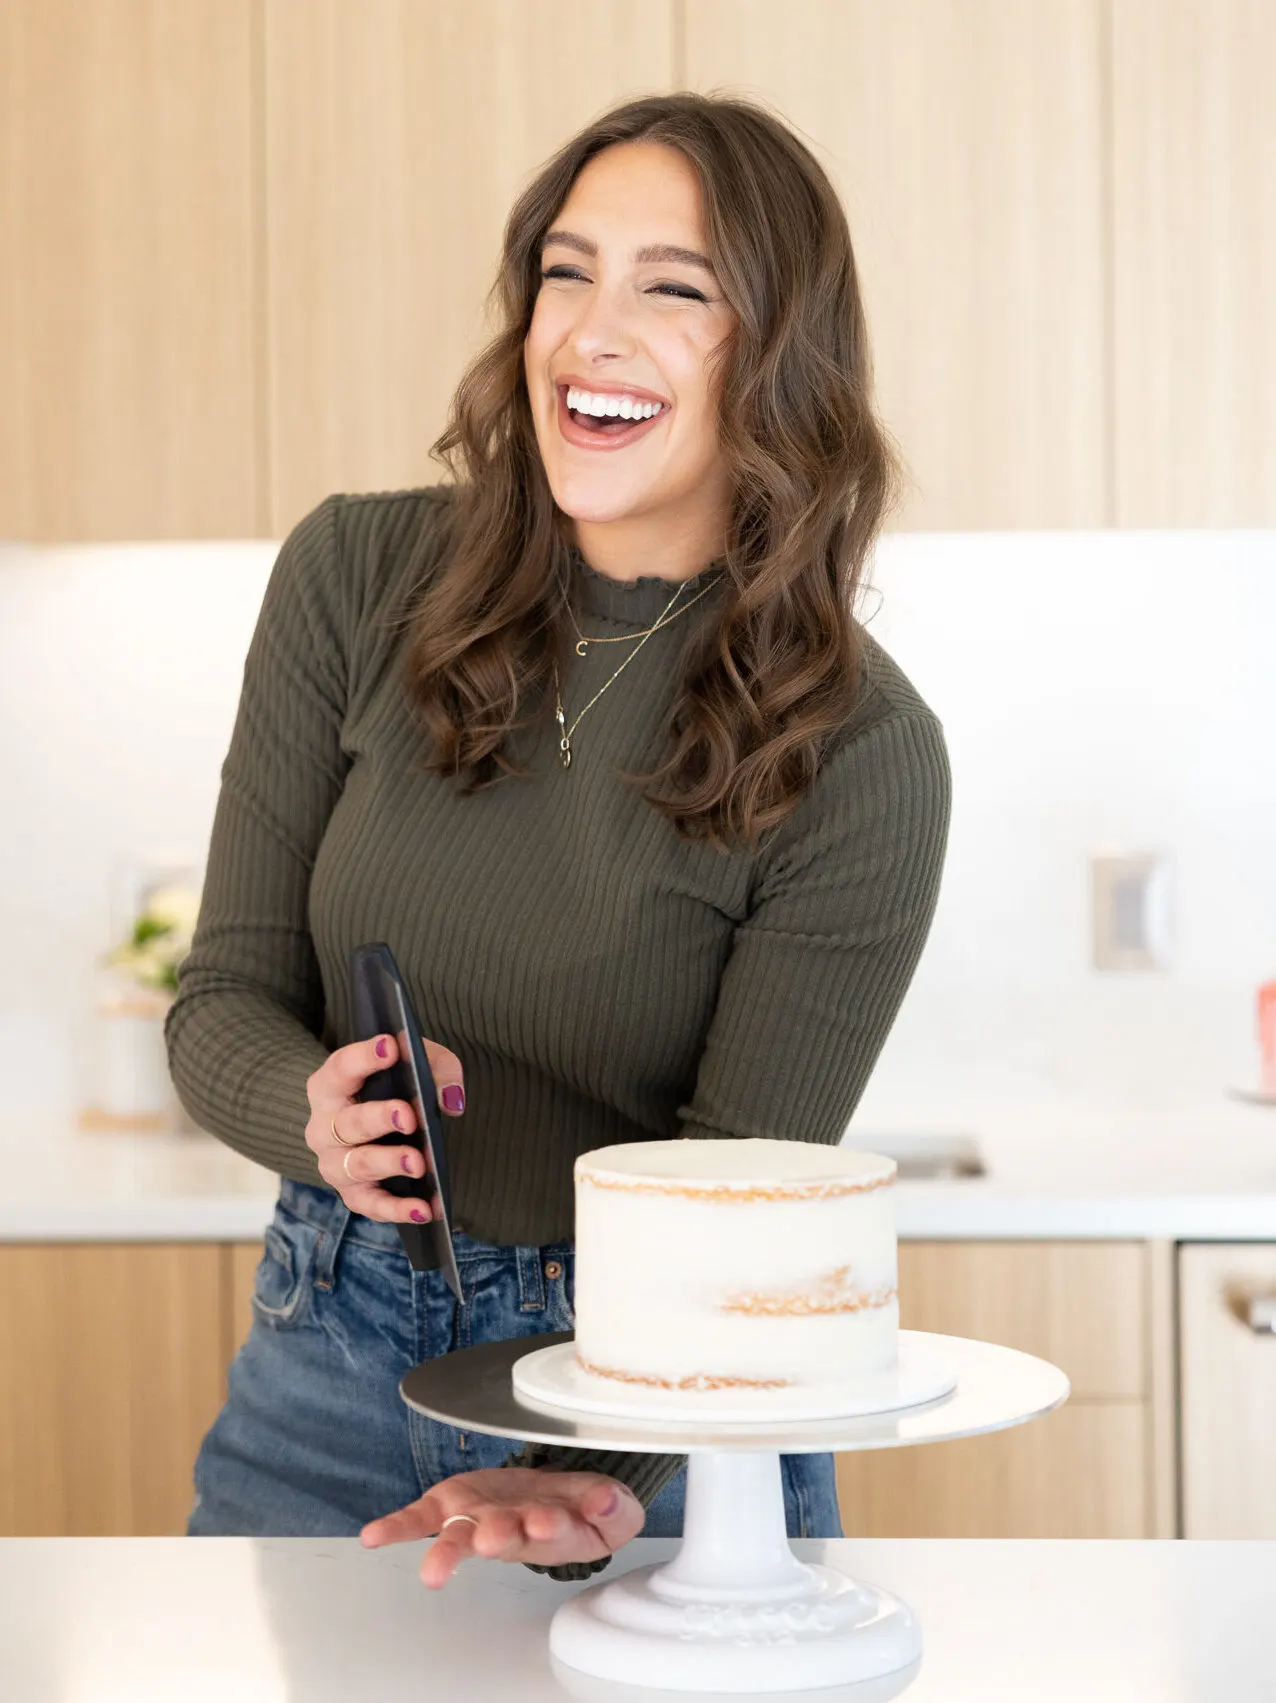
[{"x": 735, "y": 1610}]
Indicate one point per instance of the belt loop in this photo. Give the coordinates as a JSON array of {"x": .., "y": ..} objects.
[
  {"x": 531, "y": 1280},
  {"x": 329, "y": 1245}
]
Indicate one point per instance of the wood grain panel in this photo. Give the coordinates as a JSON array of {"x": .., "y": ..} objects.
[
  {"x": 1194, "y": 262},
  {"x": 1163, "y": 1383},
  {"x": 128, "y": 281},
  {"x": 397, "y": 137},
  {"x": 1228, "y": 1392},
  {"x": 1079, "y": 1472},
  {"x": 1081, "y": 1305},
  {"x": 965, "y": 137},
  {"x": 110, "y": 1363}
]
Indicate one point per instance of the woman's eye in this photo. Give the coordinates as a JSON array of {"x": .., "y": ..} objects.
[{"x": 683, "y": 291}]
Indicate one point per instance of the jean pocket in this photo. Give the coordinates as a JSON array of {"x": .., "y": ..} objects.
[{"x": 281, "y": 1283}]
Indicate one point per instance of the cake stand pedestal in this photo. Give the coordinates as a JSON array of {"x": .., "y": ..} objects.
[{"x": 736, "y": 1610}]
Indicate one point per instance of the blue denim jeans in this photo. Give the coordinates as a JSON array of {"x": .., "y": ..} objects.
[{"x": 314, "y": 1439}]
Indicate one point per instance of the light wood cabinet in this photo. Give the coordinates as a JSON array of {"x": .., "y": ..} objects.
[
  {"x": 1088, "y": 1470},
  {"x": 966, "y": 139},
  {"x": 1228, "y": 1391},
  {"x": 246, "y": 245},
  {"x": 131, "y": 402},
  {"x": 397, "y": 138},
  {"x": 112, "y": 1363},
  {"x": 1194, "y": 262},
  {"x": 114, "y": 1360}
]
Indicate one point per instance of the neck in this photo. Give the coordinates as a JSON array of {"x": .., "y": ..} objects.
[{"x": 627, "y": 551}]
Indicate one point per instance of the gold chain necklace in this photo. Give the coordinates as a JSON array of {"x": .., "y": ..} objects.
[{"x": 565, "y": 741}]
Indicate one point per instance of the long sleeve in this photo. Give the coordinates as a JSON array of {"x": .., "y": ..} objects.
[
  {"x": 815, "y": 977},
  {"x": 243, "y": 1031},
  {"x": 819, "y": 968}
]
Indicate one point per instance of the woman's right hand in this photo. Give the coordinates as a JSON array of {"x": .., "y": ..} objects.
[{"x": 331, "y": 1091}]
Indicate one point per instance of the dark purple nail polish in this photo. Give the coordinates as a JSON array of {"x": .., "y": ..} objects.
[
  {"x": 418, "y": 1215},
  {"x": 383, "y": 1048},
  {"x": 608, "y": 1508},
  {"x": 454, "y": 1098},
  {"x": 407, "y": 1163},
  {"x": 394, "y": 1118}
]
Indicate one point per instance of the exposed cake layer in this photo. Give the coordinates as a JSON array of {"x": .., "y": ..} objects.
[{"x": 735, "y": 1265}]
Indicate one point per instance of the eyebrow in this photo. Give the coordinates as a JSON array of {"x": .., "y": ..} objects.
[{"x": 657, "y": 251}]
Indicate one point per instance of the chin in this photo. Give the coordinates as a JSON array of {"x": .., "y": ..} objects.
[{"x": 597, "y": 497}]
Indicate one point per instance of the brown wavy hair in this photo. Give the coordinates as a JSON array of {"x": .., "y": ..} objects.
[{"x": 767, "y": 679}]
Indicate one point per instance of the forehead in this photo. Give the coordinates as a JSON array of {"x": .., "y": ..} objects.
[{"x": 637, "y": 191}]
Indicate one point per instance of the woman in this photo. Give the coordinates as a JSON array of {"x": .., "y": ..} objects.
[{"x": 591, "y": 737}]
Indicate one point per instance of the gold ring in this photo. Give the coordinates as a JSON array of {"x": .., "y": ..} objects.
[
  {"x": 452, "y": 1517},
  {"x": 345, "y": 1164},
  {"x": 332, "y": 1124}
]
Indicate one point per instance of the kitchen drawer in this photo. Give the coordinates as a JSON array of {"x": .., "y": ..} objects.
[
  {"x": 1080, "y": 1305},
  {"x": 1228, "y": 1391},
  {"x": 110, "y": 1374},
  {"x": 1079, "y": 1472}
]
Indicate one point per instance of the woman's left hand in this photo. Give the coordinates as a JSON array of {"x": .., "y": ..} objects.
[{"x": 523, "y": 1513}]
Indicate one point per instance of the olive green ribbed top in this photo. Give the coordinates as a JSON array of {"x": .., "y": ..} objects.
[{"x": 600, "y": 980}]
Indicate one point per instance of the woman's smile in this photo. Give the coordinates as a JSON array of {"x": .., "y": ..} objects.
[{"x": 609, "y": 432}]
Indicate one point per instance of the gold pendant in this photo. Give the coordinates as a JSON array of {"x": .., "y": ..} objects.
[
  {"x": 580, "y": 647},
  {"x": 564, "y": 746}
]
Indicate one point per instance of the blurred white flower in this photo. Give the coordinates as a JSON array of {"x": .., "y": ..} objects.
[
  {"x": 160, "y": 938},
  {"x": 174, "y": 907}
]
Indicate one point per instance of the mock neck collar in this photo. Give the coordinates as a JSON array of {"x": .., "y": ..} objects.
[{"x": 640, "y": 601}]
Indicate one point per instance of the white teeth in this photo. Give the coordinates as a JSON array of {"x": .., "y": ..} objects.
[{"x": 610, "y": 406}]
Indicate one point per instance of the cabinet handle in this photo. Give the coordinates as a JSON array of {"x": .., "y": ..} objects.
[{"x": 1261, "y": 1315}]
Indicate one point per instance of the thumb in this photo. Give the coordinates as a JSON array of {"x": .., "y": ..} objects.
[{"x": 449, "y": 1077}]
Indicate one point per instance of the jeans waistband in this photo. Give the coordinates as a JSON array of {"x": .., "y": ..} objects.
[{"x": 324, "y": 1208}]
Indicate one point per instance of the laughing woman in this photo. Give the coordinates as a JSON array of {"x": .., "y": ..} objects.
[{"x": 591, "y": 736}]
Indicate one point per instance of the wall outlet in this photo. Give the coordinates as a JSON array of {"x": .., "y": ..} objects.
[{"x": 1130, "y": 907}]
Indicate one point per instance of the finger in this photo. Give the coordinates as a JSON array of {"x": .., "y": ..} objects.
[
  {"x": 498, "y": 1534},
  {"x": 602, "y": 1506},
  {"x": 422, "y": 1518},
  {"x": 445, "y": 1068},
  {"x": 348, "y": 1068},
  {"x": 446, "y": 1554},
  {"x": 546, "y": 1522},
  {"x": 350, "y": 1168}
]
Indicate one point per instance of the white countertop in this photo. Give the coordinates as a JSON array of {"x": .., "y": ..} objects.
[
  {"x": 1208, "y": 1173},
  {"x": 322, "y": 1620}
]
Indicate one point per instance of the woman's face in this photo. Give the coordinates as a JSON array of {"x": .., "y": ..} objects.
[{"x": 629, "y": 324}]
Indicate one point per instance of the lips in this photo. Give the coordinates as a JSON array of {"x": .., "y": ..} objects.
[{"x": 583, "y": 438}]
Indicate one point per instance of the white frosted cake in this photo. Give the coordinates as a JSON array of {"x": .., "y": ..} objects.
[{"x": 743, "y": 1276}]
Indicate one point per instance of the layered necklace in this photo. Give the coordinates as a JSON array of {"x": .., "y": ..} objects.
[{"x": 582, "y": 644}]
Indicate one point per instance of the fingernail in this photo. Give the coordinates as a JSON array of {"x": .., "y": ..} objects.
[
  {"x": 418, "y": 1215},
  {"x": 407, "y": 1162},
  {"x": 454, "y": 1098},
  {"x": 394, "y": 1118},
  {"x": 611, "y": 1504},
  {"x": 383, "y": 1048}
]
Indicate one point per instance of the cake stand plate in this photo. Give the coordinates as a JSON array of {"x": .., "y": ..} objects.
[
  {"x": 552, "y": 1377},
  {"x": 735, "y": 1611}
]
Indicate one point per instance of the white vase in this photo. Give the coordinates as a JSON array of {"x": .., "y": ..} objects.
[{"x": 134, "y": 1079}]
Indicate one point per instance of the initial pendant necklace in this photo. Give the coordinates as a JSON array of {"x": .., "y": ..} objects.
[{"x": 565, "y": 741}]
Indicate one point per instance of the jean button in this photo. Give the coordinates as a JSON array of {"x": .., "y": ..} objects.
[{"x": 553, "y": 1268}]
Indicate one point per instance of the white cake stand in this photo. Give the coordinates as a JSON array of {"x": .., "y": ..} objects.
[{"x": 735, "y": 1610}]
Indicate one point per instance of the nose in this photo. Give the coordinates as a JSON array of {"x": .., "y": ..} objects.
[{"x": 602, "y": 324}]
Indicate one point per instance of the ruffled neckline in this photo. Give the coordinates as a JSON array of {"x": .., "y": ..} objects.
[{"x": 639, "y": 601}]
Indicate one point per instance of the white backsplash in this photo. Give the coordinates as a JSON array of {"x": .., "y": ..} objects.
[{"x": 1100, "y": 691}]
